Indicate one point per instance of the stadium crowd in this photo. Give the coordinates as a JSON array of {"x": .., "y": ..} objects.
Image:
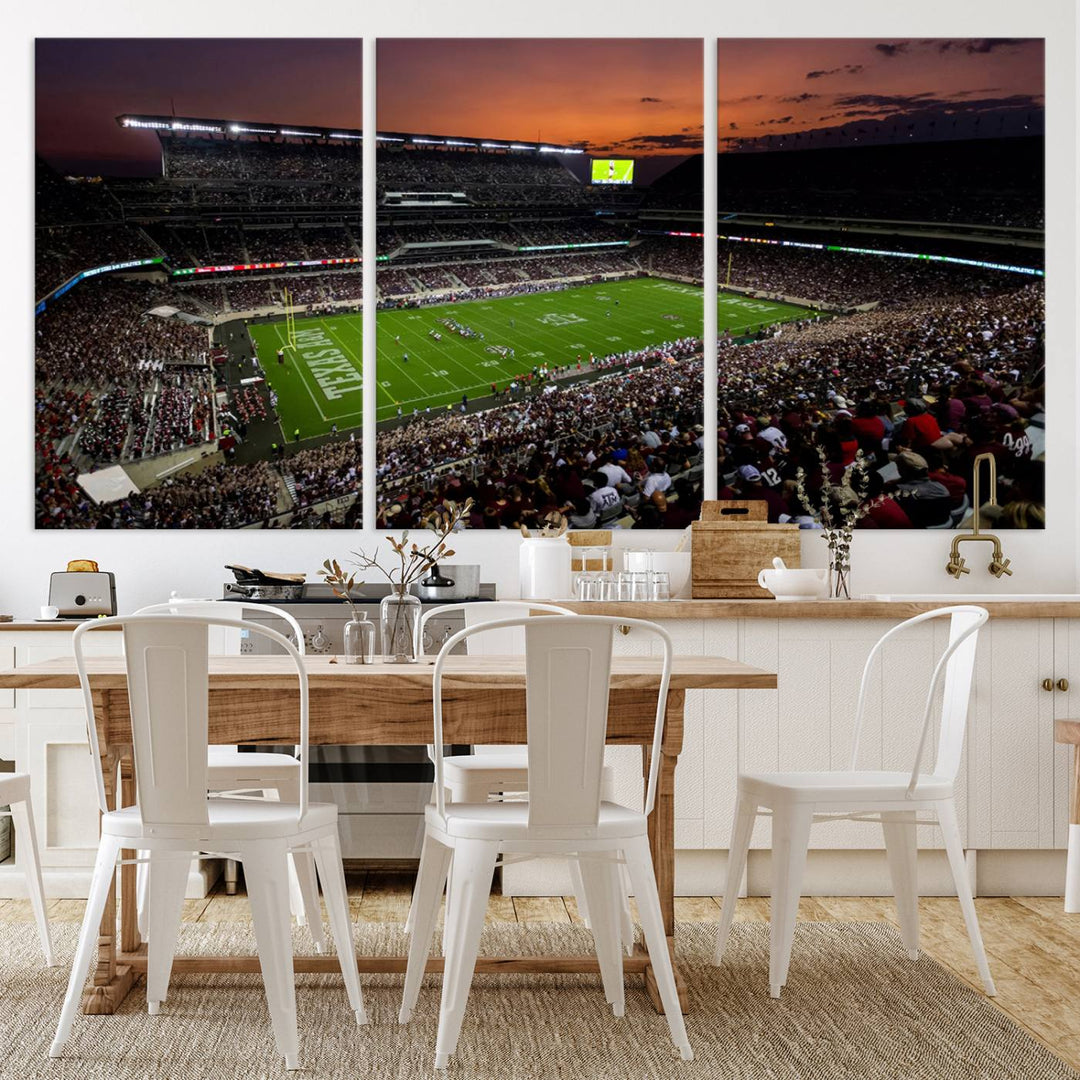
[{"x": 920, "y": 388}]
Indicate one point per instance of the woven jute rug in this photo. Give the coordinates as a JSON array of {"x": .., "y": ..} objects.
[{"x": 854, "y": 1007}]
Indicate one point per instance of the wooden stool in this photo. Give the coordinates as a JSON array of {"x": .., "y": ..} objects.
[{"x": 1068, "y": 731}]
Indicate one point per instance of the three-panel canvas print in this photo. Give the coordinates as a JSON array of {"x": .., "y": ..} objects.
[{"x": 540, "y": 265}]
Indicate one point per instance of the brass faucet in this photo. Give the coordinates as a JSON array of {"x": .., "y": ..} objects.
[{"x": 999, "y": 565}]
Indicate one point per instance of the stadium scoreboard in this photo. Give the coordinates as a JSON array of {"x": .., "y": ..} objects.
[{"x": 612, "y": 171}]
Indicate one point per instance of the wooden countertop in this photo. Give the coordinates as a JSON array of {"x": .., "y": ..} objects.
[
  {"x": 472, "y": 672},
  {"x": 755, "y": 609},
  {"x": 818, "y": 609}
]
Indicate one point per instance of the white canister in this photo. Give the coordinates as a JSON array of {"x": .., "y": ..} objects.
[{"x": 544, "y": 568}]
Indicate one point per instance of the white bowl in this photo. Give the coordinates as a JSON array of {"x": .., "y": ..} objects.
[
  {"x": 676, "y": 563},
  {"x": 794, "y": 584}
]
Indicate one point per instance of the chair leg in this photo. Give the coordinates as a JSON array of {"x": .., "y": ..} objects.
[
  {"x": 950, "y": 830},
  {"x": 430, "y": 881},
  {"x": 600, "y": 884},
  {"x": 580, "y": 893},
  {"x": 625, "y": 918},
  {"x": 901, "y": 845},
  {"x": 745, "y": 816},
  {"x": 22, "y": 817},
  {"x": 231, "y": 876},
  {"x": 303, "y": 884},
  {"x": 790, "y": 840},
  {"x": 266, "y": 873},
  {"x": 100, "y": 883},
  {"x": 474, "y": 863},
  {"x": 327, "y": 851},
  {"x": 643, "y": 879},
  {"x": 142, "y": 892},
  {"x": 167, "y": 874}
]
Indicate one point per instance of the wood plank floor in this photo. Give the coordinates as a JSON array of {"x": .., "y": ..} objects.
[{"x": 1034, "y": 947}]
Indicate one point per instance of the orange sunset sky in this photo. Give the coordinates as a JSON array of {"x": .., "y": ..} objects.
[{"x": 628, "y": 96}]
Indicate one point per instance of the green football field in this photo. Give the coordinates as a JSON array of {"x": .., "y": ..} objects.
[{"x": 319, "y": 384}]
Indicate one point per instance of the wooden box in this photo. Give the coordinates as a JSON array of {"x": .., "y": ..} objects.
[{"x": 732, "y": 543}]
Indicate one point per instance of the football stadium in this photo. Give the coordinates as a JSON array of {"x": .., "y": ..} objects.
[{"x": 539, "y": 322}]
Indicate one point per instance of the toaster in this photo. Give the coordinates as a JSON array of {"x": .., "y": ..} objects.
[{"x": 82, "y": 595}]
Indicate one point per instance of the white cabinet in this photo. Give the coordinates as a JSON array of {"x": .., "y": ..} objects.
[
  {"x": 1012, "y": 789},
  {"x": 45, "y": 733}
]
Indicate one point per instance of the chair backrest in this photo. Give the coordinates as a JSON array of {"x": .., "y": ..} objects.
[
  {"x": 567, "y": 676},
  {"x": 234, "y": 609},
  {"x": 509, "y": 642},
  {"x": 957, "y": 665},
  {"x": 167, "y": 660}
]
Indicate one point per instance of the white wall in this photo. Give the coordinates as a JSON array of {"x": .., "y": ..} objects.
[{"x": 148, "y": 564}]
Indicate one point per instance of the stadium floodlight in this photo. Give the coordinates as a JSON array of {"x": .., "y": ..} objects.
[
  {"x": 522, "y": 146},
  {"x": 421, "y": 139},
  {"x": 181, "y": 125},
  {"x": 237, "y": 129},
  {"x": 493, "y": 145},
  {"x": 343, "y": 135},
  {"x": 459, "y": 142},
  {"x": 131, "y": 122},
  {"x": 303, "y": 134},
  {"x": 389, "y": 138}
]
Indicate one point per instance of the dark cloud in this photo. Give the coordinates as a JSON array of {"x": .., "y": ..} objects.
[
  {"x": 894, "y": 48},
  {"x": 733, "y": 126},
  {"x": 676, "y": 141},
  {"x": 799, "y": 97},
  {"x": 650, "y": 101},
  {"x": 978, "y": 45},
  {"x": 844, "y": 69},
  {"x": 779, "y": 120},
  {"x": 741, "y": 100},
  {"x": 889, "y": 104}
]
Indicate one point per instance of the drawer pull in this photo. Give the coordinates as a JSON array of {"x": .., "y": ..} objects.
[
  {"x": 1048, "y": 684},
  {"x": 1063, "y": 684}
]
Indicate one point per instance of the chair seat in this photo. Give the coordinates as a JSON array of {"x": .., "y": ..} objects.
[
  {"x": 228, "y": 769},
  {"x": 510, "y": 820},
  {"x": 842, "y": 786},
  {"x": 510, "y": 767},
  {"x": 229, "y": 819},
  {"x": 14, "y": 787}
]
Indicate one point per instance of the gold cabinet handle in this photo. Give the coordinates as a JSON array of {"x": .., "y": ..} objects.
[
  {"x": 1048, "y": 684},
  {"x": 1063, "y": 684}
]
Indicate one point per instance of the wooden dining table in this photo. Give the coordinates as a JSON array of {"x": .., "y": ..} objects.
[{"x": 254, "y": 699}]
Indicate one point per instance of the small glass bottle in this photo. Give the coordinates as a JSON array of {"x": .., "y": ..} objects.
[
  {"x": 359, "y": 640},
  {"x": 400, "y": 615}
]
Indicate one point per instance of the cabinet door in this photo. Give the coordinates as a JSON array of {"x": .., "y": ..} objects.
[
  {"x": 7, "y": 660},
  {"x": 1014, "y": 774},
  {"x": 57, "y": 756},
  {"x": 821, "y": 671},
  {"x": 1066, "y": 707}
]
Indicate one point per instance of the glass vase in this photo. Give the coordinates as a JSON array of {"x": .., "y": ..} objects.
[
  {"x": 839, "y": 541},
  {"x": 359, "y": 640},
  {"x": 400, "y": 615}
]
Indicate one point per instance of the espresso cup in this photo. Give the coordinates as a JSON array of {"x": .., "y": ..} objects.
[{"x": 49, "y": 611}]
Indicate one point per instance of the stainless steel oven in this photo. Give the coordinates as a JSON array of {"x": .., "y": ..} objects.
[{"x": 380, "y": 791}]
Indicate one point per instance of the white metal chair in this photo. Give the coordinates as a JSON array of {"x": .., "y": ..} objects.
[
  {"x": 277, "y": 776},
  {"x": 798, "y": 799},
  {"x": 15, "y": 794},
  {"x": 568, "y": 665},
  {"x": 175, "y": 819},
  {"x": 474, "y": 778}
]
